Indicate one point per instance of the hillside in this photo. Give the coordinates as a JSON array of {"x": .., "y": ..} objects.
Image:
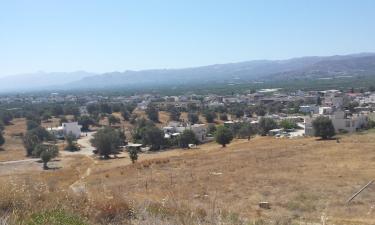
[
  {"x": 305, "y": 181},
  {"x": 260, "y": 70}
]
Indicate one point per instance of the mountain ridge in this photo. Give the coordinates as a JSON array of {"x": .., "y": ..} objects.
[{"x": 311, "y": 67}]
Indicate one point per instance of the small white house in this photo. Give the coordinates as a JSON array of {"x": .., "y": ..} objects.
[
  {"x": 200, "y": 130},
  {"x": 65, "y": 129},
  {"x": 341, "y": 121}
]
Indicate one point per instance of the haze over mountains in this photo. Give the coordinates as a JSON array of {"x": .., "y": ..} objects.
[{"x": 258, "y": 70}]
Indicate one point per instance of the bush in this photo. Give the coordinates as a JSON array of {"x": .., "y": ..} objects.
[
  {"x": 288, "y": 124},
  {"x": 71, "y": 143},
  {"x": 55, "y": 217}
]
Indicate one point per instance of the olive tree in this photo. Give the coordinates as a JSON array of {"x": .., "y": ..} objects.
[
  {"x": 223, "y": 135},
  {"x": 323, "y": 127},
  {"x": 106, "y": 141}
]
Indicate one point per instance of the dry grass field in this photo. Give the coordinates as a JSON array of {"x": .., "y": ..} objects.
[
  {"x": 306, "y": 181},
  {"x": 13, "y": 148}
]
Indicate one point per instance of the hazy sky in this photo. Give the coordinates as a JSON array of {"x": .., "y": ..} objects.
[{"x": 109, "y": 35}]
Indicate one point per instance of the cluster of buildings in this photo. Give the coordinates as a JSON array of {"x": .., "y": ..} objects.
[
  {"x": 310, "y": 104},
  {"x": 334, "y": 105}
]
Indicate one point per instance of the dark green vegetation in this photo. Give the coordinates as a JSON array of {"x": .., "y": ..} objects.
[
  {"x": 106, "y": 141},
  {"x": 323, "y": 127},
  {"x": 223, "y": 135}
]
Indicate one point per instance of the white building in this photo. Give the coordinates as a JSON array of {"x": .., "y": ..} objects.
[
  {"x": 71, "y": 128},
  {"x": 200, "y": 130},
  {"x": 342, "y": 121}
]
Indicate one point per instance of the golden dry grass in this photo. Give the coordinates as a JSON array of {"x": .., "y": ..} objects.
[
  {"x": 301, "y": 178},
  {"x": 13, "y": 148}
]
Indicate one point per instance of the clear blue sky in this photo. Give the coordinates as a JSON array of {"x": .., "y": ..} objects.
[{"x": 117, "y": 35}]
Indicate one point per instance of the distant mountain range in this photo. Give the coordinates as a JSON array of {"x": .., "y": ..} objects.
[
  {"x": 40, "y": 81},
  {"x": 259, "y": 70}
]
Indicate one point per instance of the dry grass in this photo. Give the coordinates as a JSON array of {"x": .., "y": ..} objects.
[
  {"x": 13, "y": 148},
  {"x": 306, "y": 181}
]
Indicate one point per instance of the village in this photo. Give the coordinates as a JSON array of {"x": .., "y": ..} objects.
[{"x": 348, "y": 111}]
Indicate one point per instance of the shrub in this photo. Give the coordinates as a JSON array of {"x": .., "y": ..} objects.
[
  {"x": 55, "y": 217},
  {"x": 288, "y": 124}
]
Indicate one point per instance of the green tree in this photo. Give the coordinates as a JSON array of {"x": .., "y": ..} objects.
[
  {"x": 31, "y": 124},
  {"x": 133, "y": 154},
  {"x": 125, "y": 114},
  {"x": 266, "y": 124},
  {"x": 152, "y": 113},
  {"x": 30, "y": 140},
  {"x": 49, "y": 152},
  {"x": 223, "y": 135},
  {"x": 86, "y": 122},
  {"x": 42, "y": 134},
  {"x": 154, "y": 137},
  {"x": 323, "y": 127},
  {"x": 187, "y": 137},
  {"x": 106, "y": 141},
  {"x": 193, "y": 118},
  {"x": 174, "y": 114},
  {"x": 210, "y": 116}
]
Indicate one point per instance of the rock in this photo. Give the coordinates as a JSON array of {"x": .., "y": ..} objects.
[{"x": 264, "y": 205}]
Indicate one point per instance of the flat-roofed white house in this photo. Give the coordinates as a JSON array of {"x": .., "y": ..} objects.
[
  {"x": 341, "y": 120},
  {"x": 173, "y": 128},
  {"x": 71, "y": 128}
]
